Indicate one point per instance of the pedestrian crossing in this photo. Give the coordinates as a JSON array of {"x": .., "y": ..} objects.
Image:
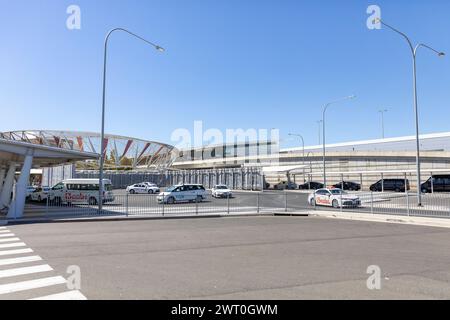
[{"x": 25, "y": 275}]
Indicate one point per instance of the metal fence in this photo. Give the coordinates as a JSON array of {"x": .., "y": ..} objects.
[
  {"x": 245, "y": 202},
  {"x": 236, "y": 178}
]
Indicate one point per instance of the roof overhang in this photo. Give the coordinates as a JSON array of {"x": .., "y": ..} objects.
[
  {"x": 281, "y": 169},
  {"x": 43, "y": 156}
]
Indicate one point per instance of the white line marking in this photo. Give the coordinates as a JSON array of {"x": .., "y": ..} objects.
[
  {"x": 5, "y": 262},
  {"x": 31, "y": 284},
  {"x": 69, "y": 295},
  {"x": 7, "y": 235},
  {"x": 18, "y": 251},
  {"x": 2, "y": 228},
  {"x": 4, "y": 231},
  {"x": 9, "y": 240},
  {"x": 25, "y": 270},
  {"x": 12, "y": 245}
]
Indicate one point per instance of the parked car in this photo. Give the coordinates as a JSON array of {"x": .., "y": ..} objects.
[
  {"x": 333, "y": 198},
  {"x": 141, "y": 188},
  {"x": 30, "y": 190},
  {"x": 397, "y": 185},
  {"x": 153, "y": 186},
  {"x": 40, "y": 194},
  {"x": 283, "y": 185},
  {"x": 441, "y": 183},
  {"x": 183, "y": 193},
  {"x": 80, "y": 191},
  {"x": 348, "y": 185},
  {"x": 312, "y": 185},
  {"x": 221, "y": 191}
]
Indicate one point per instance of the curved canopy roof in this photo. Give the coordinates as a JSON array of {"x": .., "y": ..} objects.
[{"x": 120, "y": 151}]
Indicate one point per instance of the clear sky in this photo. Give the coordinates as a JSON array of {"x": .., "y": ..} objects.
[{"x": 230, "y": 63}]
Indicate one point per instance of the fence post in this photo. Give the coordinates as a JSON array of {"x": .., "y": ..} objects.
[
  {"x": 163, "y": 201},
  {"x": 285, "y": 201},
  {"x": 126, "y": 204},
  {"x": 407, "y": 203},
  {"x": 257, "y": 202},
  {"x": 228, "y": 204},
  {"x": 196, "y": 206},
  {"x": 341, "y": 204},
  {"x": 46, "y": 204},
  {"x": 371, "y": 202}
]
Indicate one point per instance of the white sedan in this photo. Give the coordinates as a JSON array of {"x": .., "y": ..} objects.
[
  {"x": 140, "y": 188},
  {"x": 152, "y": 186},
  {"x": 40, "y": 194},
  {"x": 333, "y": 198},
  {"x": 221, "y": 191}
]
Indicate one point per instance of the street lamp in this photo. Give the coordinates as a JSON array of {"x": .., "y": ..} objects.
[
  {"x": 382, "y": 121},
  {"x": 323, "y": 135},
  {"x": 318, "y": 124},
  {"x": 416, "y": 111},
  {"x": 303, "y": 148},
  {"x": 102, "y": 139}
]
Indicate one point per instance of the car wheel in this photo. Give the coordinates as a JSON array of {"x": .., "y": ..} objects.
[
  {"x": 132, "y": 191},
  {"x": 92, "y": 201},
  {"x": 312, "y": 202},
  {"x": 199, "y": 199},
  {"x": 397, "y": 190},
  {"x": 39, "y": 199},
  {"x": 335, "y": 204},
  {"x": 424, "y": 190},
  {"x": 150, "y": 191},
  {"x": 171, "y": 200}
]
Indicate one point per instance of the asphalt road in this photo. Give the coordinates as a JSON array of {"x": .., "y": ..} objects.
[{"x": 263, "y": 257}]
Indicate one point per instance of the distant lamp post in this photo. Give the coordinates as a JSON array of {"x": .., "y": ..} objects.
[
  {"x": 102, "y": 139},
  {"x": 323, "y": 135},
  {"x": 414, "y": 54},
  {"x": 303, "y": 148},
  {"x": 382, "y": 112}
]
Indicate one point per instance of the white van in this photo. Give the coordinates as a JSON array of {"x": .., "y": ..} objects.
[
  {"x": 80, "y": 191},
  {"x": 183, "y": 193}
]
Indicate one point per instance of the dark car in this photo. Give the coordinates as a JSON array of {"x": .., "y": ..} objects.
[
  {"x": 348, "y": 185},
  {"x": 397, "y": 185},
  {"x": 441, "y": 183},
  {"x": 311, "y": 186}
]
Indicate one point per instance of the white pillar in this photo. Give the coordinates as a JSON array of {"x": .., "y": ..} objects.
[
  {"x": 5, "y": 195},
  {"x": 18, "y": 204},
  {"x": 2, "y": 178}
]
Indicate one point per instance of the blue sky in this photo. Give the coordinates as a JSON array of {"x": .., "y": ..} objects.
[{"x": 232, "y": 64}]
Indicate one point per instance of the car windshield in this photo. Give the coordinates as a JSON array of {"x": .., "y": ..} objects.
[
  {"x": 338, "y": 191},
  {"x": 221, "y": 187},
  {"x": 170, "y": 189}
]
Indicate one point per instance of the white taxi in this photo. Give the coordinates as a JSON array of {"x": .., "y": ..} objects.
[
  {"x": 221, "y": 191},
  {"x": 333, "y": 198},
  {"x": 183, "y": 193}
]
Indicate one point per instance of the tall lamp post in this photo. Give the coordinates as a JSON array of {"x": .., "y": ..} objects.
[
  {"x": 318, "y": 124},
  {"x": 416, "y": 111},
  {"x": 303, "y": 148},
  {"x": 102, "y": 139},
  {"x": 323, "y": 134},
  {"x": 382, "y": 121}
]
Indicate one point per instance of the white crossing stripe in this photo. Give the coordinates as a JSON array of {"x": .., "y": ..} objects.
[
  {"x": 9, "y": 240},
  {"x": 7, "y": 235},
  {"x": 12, "y": 245},
  {"x": 24, "y": 270},
  {"x": 2, "y": 228},
  {"x": 4, "y": 231},
  {"x": 18, "y": 251},
  {"x": 69, "y": 295},
  {"x": 6, "y": 262},
  {"x": 31, "y": 284}
]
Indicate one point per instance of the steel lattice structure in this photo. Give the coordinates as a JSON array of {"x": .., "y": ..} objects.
[{"x": 120, "y": 152}]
